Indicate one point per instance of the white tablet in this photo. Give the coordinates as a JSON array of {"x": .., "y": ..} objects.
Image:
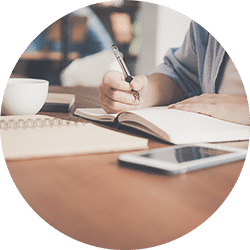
[{"x": 184, "y": 158}]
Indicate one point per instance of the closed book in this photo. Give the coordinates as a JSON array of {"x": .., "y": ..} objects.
[{"x": 58, "y": 102}]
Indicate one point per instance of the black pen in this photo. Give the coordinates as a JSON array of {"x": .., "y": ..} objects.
[{"x": 128, "y": 77}]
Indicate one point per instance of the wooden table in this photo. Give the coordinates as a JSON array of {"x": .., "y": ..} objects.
[{"x": 93, "y": 199}]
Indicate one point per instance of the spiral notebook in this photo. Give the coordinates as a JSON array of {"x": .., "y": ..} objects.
[{"x": 38, "y": 136}]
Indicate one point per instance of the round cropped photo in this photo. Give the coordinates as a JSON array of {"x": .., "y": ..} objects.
[{"x": 125, "y": 125}]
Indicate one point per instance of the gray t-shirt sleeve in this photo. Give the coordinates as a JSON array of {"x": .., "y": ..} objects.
[{"x": 181, "y": 65}]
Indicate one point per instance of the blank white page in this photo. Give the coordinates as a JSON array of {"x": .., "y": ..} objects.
[{"x": 189, "y": 127}]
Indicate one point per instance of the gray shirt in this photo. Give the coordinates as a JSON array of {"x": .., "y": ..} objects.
[{"x": 198, "y": 66}]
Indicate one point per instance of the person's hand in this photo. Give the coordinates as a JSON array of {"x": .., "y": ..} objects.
[
  {"x": 116, "y": 95},
  {"x": 233, "y": 108}
]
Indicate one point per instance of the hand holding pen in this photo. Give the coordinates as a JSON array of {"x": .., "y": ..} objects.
[
  {"x": 115, "y": 92},
  {"x": 128, "y": 77}
]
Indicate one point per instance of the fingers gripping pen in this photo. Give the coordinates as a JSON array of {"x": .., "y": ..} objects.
[{"x": 128, "y": 77}]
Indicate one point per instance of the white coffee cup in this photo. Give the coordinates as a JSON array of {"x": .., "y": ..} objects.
[{"x": 24, "y": 96}]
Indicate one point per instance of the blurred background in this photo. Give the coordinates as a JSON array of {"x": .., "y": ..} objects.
[{"x": 76, "y": 49}]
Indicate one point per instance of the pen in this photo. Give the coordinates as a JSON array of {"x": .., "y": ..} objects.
[{"x": 128, "y": 77}]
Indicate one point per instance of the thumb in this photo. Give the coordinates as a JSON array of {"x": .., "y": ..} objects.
[{"x": 139, "y": 82}]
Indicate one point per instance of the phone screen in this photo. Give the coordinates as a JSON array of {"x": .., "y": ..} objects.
[{"x": 185, "y": 154}]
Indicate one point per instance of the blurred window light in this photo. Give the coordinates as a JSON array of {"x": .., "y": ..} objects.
[
  {"x": 122, "y": 27},
  {"x": 117, "y": 3}
]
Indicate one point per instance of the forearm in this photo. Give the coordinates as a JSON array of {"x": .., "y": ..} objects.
[{"x": 162, "y": 91}]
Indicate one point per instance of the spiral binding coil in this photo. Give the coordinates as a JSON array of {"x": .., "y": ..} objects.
[{"x": 34, "y": 123}]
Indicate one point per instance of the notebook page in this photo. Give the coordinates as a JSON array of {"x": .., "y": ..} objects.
[
  {"x": 65, "y": 140},
  {"x": 95, "y": 114},
  {"x": 189, "y": 127}
]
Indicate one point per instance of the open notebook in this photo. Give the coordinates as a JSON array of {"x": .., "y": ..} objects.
[
  {"x": 175, "y": 126},
  {"x": 44, "y": 136}
]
